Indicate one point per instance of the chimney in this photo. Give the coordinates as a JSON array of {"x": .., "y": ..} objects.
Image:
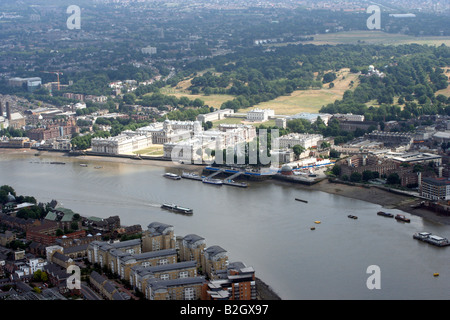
[{"x": 8, "y": 111}]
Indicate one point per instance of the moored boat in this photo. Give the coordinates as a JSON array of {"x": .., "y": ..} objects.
[
  {"x": 176, "y": 208},
  {"x": 213, "y": 181},
  {"x": 172, "y": 176},
  {"x": 432, "y": 239},
  {"x": 301, "y": 200},
  {"x": 191, "y": 175},
  {"x": 230, "y": 182},
  {"x": 352, "y": 216},
  {"x": 385, "y": 214},
  {"x": 401, "y": 217}
]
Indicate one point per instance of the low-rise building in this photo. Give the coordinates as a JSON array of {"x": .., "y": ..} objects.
[
  {"x": 435, "y": 188},
  {"x": 260, "y": 115},
  {"x": 303, "y": 139},
  {"x": 191, "y": 288},
  {"x": 237, "y": 282}
]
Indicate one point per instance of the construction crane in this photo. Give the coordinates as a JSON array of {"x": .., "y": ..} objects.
[{"x": 57, "y": 74}]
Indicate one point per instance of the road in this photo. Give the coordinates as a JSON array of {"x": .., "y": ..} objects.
[{"x": 88, "y": 293}]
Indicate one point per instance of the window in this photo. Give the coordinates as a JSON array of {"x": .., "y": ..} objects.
[
  {"x": 189, "y": 294},
  {"x": 183, "y": 274},
  {"x": 165, "y": 276},
  {"x": 163, "y": 261}
]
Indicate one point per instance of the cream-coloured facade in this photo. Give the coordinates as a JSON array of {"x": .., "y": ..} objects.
[{"x": 304, "y": 140}]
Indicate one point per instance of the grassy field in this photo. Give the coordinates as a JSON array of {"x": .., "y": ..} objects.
[
  {"x": 213, "y": 100},
  {"x": 154, "y": 150},
  {"x": 311, "y": 100},
  {"x": 375, "y": 37},
  {"x": 269, "y": 123},
  {"x": 445, "y": 92}
]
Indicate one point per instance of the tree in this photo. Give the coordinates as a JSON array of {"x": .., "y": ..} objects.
[
  {"x": 355, "y": 177},
  {"x": 298, "y": 149},
  {"x": 393, "y": 178},
  {"x": 329, "y": 77},
  {"x": 336, "y": 170},
  {"x": 367, "y": 175}
]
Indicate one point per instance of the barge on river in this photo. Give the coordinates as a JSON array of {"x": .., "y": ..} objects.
[
  {"x": 432, "y": 239},
  {"x": 177, "y": 209}
]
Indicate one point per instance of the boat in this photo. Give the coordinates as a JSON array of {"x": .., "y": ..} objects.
[
  {"x": 316, "y": 222},
  {"x": 99, "y": 167},
  {"x": 385, "y": 214},
  {"x": 172, "y": 176},
  {"x": 352, "y": 217},
  {"x": 313, "y": 228},
  {"x": 191, "y": 175},
  {"x": 175, "y": 208},
  {"x": 83, "y": 165},
  {"x": 213, "y": 181},
  {"x": 230, "y": 182},
  {"x": 436, "y": 274},
  {"x": 432, "y": 239},
  {"x": 301, "y": 200},
  {"x": 401, "y": 217},
  {"x": 57, "y": 162}
]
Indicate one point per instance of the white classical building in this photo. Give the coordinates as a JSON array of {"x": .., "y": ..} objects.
[
  {"x": 260, "y": 115},
  {"x": 215, "y": 115},
  {"x": 312, "y": 117},
  {"x": 305, "y": 140},
  {"x": 158, "y": 133},
  {"x": 125, "y": 143},
  {"x": 195, "y": 147}
]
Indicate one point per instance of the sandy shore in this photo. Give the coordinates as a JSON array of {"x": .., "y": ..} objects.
[
  {"x": 373, "y": 194},
  {"x": 385, "y": 198}
]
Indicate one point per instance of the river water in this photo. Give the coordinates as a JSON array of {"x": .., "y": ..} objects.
[{"x": 262, "y": 226}]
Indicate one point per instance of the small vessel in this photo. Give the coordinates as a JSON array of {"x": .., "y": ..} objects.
[
  {"x": 213, "y": 181},
  {"x": 57, "y": 162},
  {"x": 172, "y": 176},
  {"x": 99, "y": 167},
  {"x": 385, "y": 214},
  {"x": 83, "y": 165},
  {"x": 436, "y": 274},
  {"x": 301, "y": 200},
  {"x": 175, "y": 208},
  {"x": 230, "y": 182},
  {"x": 432, "y": 239},
  {"x": 352, "y": 217},
  {"x": 316, "y": 222},
  {"x": 401, "y": 217},
  {"x": 191, "y": 175},
  {"x": 313, "y": 228}
]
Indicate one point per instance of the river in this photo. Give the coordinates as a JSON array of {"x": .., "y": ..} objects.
[{"x": 262, "y": 226}]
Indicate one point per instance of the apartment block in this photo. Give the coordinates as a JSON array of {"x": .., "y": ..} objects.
[
  {"x": 237, "y": 282},
  {"x": 192, "y": 288},
  {"x": 191, "y": 248},
  {"x": 158, "y": 236},
  {"x": 214, "y": 260},
  {"x": 139, "y": 275}
]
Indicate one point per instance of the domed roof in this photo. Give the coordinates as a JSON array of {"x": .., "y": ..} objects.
[
  {"x": 286, "y": 168},
  {"x": 10, "y": 197}
]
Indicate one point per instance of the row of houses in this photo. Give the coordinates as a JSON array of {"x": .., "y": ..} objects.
[{"x": 163, "y": 266}]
